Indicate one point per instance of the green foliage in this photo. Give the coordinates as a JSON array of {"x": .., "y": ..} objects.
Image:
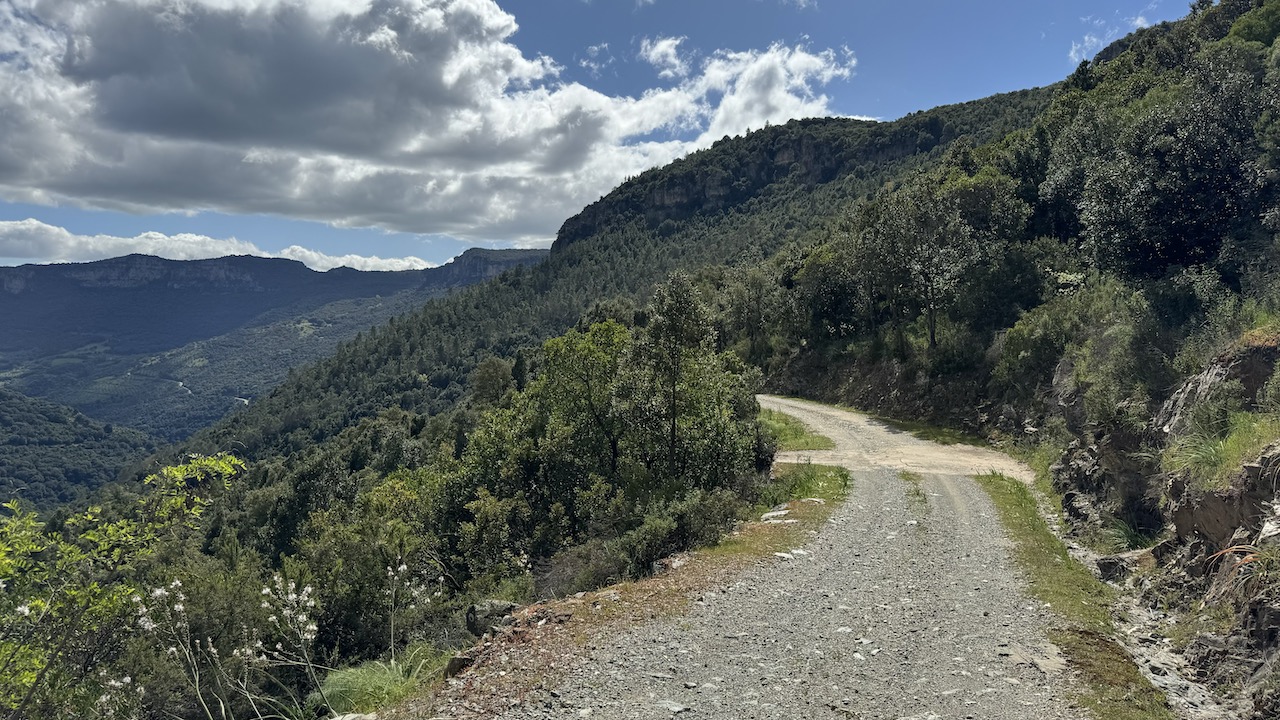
[
  {"x": 791, "y": 434},
  {"x": 1260, "y": 25},
  {"x": 377, "y": 684},
  {"x": 69, "y": 594},
  {"x": 52, "y": 455}
]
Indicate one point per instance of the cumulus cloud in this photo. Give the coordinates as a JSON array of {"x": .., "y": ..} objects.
[
  {"x": 664, "y": 54},
  {"x": 413, "y": 115},
  {"x": 33, "y": 240}
]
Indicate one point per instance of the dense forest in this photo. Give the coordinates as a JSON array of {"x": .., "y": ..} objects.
[
  {"x": 168, "y": 347},
  {"x": 51, "y": 455},
  {"x": 1044, "y": 267}
]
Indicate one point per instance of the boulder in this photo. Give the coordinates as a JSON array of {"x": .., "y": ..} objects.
[
  {"x": 489, "y": 616},
  {"x": 457, "y": 664}
]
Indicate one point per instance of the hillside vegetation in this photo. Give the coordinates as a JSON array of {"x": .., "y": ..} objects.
[
  {"x": 51, "y": 455},
  {"x": 169, "y": 347},
  {"x": 1044, "y": 267}
]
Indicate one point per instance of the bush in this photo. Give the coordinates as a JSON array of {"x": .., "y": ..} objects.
[
  {"x": 373, "y": 685},
  {"x": 593, "y": 564},
  {"x": 702, "y": 518},
  {"x": 649, "y": 543}
]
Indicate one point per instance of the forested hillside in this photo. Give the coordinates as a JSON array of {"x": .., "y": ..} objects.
[
  {"x": 52, "y": 455},
  {"x": 790, "y": 185},
  {"x": 1086, "y": 272},
  {"x": 170, "y": 347}
]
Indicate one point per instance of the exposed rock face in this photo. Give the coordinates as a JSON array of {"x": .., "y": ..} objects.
[
  {"x": 1219, "y": 516},
  {"x": 1207, "y": 522},
  {"x": 1109, "y": 478},
  {"x": 1251, "y": 365}
]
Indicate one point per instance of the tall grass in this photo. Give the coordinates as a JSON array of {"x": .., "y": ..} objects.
[
  {"x": 791, "y": 434},
  {"x": 377, "y": 684},
  {"x": 1211, "y": 457}
]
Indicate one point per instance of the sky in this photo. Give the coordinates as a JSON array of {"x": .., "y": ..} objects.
[{"x": 394, "y": 134}]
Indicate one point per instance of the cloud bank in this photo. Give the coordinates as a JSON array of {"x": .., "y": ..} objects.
[
  {"x": 33, "y": 240},
  {"x": 411, "y": 115}
]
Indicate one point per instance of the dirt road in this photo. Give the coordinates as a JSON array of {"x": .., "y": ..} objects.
[{"x": 901, "y": 607}]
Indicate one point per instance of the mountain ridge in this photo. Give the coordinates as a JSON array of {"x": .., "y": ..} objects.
[{"x": 169, "y": 346}]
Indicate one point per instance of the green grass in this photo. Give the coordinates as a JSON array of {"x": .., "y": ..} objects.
[
  {"x": 791, "y": 434},
  {"x": 797, "y": 481},
  {"x": 915, "y": 489},
  {"x": 1108, "y": 682},
  {"x": 933, "y": 433},
  {"x": 1212, "y": 458},
  {"x": 377, "y": 684}
]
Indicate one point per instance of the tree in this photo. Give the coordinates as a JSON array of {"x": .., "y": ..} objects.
[
  {"x": 923, "y": 242},
  {"x": 69, "y": 595}
]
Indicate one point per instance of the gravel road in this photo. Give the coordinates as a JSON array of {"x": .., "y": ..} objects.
[{"x": 900, "y": 608}]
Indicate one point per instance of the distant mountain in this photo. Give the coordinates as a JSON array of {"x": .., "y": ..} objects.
[
  {"x": 50, "y": 454},
  {"x": 170, "y": 346}
]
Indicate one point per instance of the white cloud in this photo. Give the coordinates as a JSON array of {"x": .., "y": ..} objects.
[
  {"x": 319, "y": 261},
  {"x": 1103, "y": 32},
  {"x": 595, "y": 59},
  {"x": 664, "y": 54},
  {"x": 411, "y": 115},
  {"x": 32, "y": 240},
  {"x": 1086, "y": 48}
]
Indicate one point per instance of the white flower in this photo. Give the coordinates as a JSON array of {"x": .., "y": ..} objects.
[{"x": 23, "y": 610}]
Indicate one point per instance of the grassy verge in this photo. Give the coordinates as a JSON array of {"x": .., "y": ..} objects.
[
  {"x": 1211, "y": 458},
  {"x": 1110, "y": 686},
  {"x": 932, "y": 433},
  {"x": 792, "y": 434}
]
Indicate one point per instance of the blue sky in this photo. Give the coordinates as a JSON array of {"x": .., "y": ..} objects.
[{"x": 396, "y": 133}]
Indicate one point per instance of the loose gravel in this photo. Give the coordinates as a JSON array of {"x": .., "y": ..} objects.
[{"x": 894, "y": 610}]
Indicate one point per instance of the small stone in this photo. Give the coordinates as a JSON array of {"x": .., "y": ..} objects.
[{"x": 673, "y": 707}]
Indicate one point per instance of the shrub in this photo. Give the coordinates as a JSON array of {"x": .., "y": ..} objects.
[{"x": 377, "y": 684}]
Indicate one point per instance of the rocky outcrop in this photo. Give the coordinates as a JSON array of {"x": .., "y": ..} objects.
[
  {"x": 1109, "y": 478},
  {"x": 1218, "y": 516},
  {"x": 1251, "y": 365},
  {"x": 489, "y": 616}
]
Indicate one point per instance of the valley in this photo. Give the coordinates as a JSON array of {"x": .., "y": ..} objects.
[{"x": 377, "y": 489}]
